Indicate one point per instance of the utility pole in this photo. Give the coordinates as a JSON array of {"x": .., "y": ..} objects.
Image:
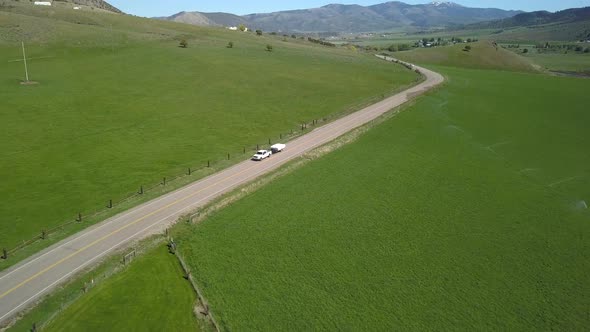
[
  {"x": 112, "y": 40},
  {"x": 25, "y": 61}
]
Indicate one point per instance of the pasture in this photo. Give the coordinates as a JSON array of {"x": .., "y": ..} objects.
[
  {"x": 119, "y": 105},
  {"x": 150, "y": 295},
  {"x": 565, "y": 61},
  {"x": 482, "y": 55},
  {"x": 467, "y": 211}
]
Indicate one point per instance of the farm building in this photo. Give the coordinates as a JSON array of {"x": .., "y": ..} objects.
[{"x": 42, "y": 3}]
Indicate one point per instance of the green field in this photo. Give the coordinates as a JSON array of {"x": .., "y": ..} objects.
[
  {"x": 151, "y": 295},
  {"x": 563, "y": 62},
  {"x": 556, "y": 61},
  {"x": 410, "y": 37},
  {"x": 119, "y": 105},
  {"x": 481, "y": 56},
  {"x": 468, "y": 211}
]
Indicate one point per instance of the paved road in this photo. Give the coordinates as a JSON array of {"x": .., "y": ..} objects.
[{"x": 22, "y": 284}]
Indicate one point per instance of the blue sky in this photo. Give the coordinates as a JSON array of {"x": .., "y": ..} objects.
[{"x": 241, "y": 7}]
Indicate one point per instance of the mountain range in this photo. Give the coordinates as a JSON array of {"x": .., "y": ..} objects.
[
  {"x": 352, "y": 18},
  {"x": 538, "y": 18}
]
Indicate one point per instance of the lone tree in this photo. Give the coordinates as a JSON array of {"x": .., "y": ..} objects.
[
  {"x": 269, "y": 48},
  {"x": 467, "y": 48},
  {"x": 230, "y": 44},
  {"x": 183, "y": 43},
  {"x": 526, "y": 50},
  {"x": 259, "y": 32},
  {"x": 242, "y": 27}
]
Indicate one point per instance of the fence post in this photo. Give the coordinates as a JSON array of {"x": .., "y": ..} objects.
[
  {"x": 141, "y": 190},
  {"x": 302, "y": 126},
  {"x": 269, "y": 141},
  {"x": 208, "y": 163},
  {"x": 79, "y": 219},
  {"x": 228, "y": 156},
  {"x": 34, "y": 327},
  {"x": 280, "y": 136},
  {"x": 189, "y": 171},
  {"x": 164, "y": 181},
  {"x": 4, "y": 253},
  {"x": 110, "y": 206},
  {"x": 43, "y": 234}
]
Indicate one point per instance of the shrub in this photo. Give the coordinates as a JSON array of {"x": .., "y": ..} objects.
[
  {"x": 321, "y": 42},
  {"x": 403, "y": 47},
  {"x": 269, "y": 48},
  {"x": 259, "y": 32},
  {"x": 183, "y": 43},
  {"x": 230, "y": 44}
]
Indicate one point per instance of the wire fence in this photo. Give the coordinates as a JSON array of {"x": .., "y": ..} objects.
[
  {"x": 169, "y": 183},
  {"x": 204, "y": 309}
]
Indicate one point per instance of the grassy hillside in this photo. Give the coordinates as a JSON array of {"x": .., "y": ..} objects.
[
  {"x": 120, "y": 105},
  {"x": 482, "y": 55},
  {"x": 468, "y": 211}
]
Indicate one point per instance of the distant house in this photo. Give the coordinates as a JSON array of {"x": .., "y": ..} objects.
[
  {"x": 42, "y": 3},
  {"x": 233, "y": 28},
  {"x": 76, "y": 8}
]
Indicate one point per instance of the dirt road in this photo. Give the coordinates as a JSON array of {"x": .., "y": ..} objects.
[{"x": 22, "y": 284}]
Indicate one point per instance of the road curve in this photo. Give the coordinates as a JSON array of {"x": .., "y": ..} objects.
[{"x": 27, "y": 281}]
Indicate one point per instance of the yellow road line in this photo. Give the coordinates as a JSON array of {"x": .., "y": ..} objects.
[{"x": 113, "y": 233}]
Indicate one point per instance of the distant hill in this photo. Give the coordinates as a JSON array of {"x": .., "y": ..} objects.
[
  {"x": 571, "y": 24},
  {"x": 206, "y": 19},
  {"x": 93, "y": 3},
  {"x": 99, "y": 4},
  {"x": 353, "y": 18},
  {"x": 482, "y": 55},
  {"x": 538, "y": 18}
]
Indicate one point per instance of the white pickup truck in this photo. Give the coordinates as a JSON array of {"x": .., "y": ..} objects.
[
  {"x": 277, "y": 147},
  {"x": 262, "y": 154}
]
